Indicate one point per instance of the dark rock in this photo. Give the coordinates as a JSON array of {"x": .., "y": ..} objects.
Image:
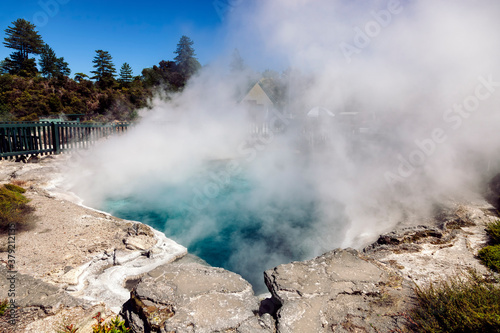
[
  {"x": 407, "y": 239},
  {"x": 493, "y": 191},
  {"x": 138, "y": 229}
]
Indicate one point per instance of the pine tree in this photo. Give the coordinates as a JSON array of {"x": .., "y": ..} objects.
[
  {"x": 52, "y": 66},
  {"x": 23, "y": 38},
  {"x": 125, "y": 73},
  {"x": 62, "y": 67},
  {"x": 3, "y": 70},
  {"x": 18, "y": 66},
  {"x": 48, "y": 61},
  {"x": 105, "y": 70},
  {"x": 185, "y": 59}
]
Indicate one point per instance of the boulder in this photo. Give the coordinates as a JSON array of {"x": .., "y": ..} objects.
[
  {"x": 194, "y": 298},
  {"x": 339, "y": 291}
]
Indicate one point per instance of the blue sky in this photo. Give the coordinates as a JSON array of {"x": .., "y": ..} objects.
[{"x": 140, "y": 32}]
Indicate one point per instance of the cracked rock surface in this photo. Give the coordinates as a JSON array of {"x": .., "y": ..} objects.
[
  {"x": 340, "y": 291},
  {"x": 35, "y": 298},
  {"x": 370, "y": 291},
  {"x": 191, "y": 297}
]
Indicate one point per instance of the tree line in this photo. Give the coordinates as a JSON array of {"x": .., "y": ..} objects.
[{"x": 29, "y": 92}]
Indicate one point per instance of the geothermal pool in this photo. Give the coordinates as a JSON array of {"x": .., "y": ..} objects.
[{"x": 239, "y": 229}]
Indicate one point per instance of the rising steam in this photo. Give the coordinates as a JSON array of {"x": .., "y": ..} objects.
[{"x": 424, "y": 76}]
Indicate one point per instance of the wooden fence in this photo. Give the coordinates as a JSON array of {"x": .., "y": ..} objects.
[{"x": 32, "y": 138}]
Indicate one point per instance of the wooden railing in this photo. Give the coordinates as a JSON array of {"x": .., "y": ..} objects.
[{"x": 33, "y": 138}]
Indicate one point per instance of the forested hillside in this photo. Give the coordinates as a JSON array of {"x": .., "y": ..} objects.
[{"x": 31, "y": 89}]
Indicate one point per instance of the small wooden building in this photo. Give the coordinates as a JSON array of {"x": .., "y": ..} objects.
[{"x": 259, "y": 104}]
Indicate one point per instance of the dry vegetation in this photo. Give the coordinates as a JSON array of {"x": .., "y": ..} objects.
[
  {"x": 14, "y": 209},
  {"x": 466, "y": 303}
]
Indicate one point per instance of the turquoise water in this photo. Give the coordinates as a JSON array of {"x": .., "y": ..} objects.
[{"x": 239, "y": 229}]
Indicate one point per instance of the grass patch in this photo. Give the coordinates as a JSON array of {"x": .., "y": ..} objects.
[
  {"x": 3, "y": 306},
  {"x": 115, "y": 326},
  {"x": 468, "y": 303},
  {"x": 490, "y": 257},
  {"x": 493, "y": 230},
  {"x": 14, "y": 188},
  {"x": 14, "y": 209}
]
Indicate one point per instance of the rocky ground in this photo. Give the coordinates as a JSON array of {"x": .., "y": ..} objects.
[{"x": 77, "y": 261}]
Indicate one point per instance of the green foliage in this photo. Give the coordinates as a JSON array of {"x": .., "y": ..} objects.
[
  {"x": 3, "y": 306},
  {"x": 167, "y": 75},
  {"x": 23, "y": 37},
  {"x": 27, "y": 96},
  {"x": 13, "y": 197},
  {"x": 463, "y": 304},
  {"x": 185, "y": 59},
  {"x": 62, "y": 67},
  {"x": 25, "y": 40},
  {"x": 14, "y": 188},
  {"x": 115, "y": 326},
  {"x": 55, "y": 104},
  {"x": 16, "y": 64},
  {"x": 493, "y": 230},
  {"x": 490, "y": 257},
  {"x": 4, "y": 112},
  {"x": 29, "y": 99},
  {"x": 79, "y": 77},
  {"x": 104, "y": 72},
  {"x": 125, "y": 73},
  {"x": 48, "y": 61},
  {"x": 14, "y": 209},
  {"x": 52, "y": 66},
  {"x": 6, "y": 82},
  {"x": 3, "y": 69}
]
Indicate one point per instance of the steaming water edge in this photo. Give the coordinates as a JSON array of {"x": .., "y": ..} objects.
[
  {"x": 236, "y": 230},
  {"x": 429, "y": 69}
]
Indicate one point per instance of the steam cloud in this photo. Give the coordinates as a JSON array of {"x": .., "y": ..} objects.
[{"x": 425, "y": 76}]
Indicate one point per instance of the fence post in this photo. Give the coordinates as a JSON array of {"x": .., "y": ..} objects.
[{"x": 55, "y": 138}]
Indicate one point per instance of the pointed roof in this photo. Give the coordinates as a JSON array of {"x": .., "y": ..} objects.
[{"x": 260, "y": 93}]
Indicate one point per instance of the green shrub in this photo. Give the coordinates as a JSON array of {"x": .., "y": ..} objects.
[
  {"x": 3, "y": 306},
  {"x": 493, "y": 230},
  {"x": 115, "y": 326},
  {"x": 468, "y": 303},
  {"x": 490, "y": 257},
  {"x": 15, "y": 188},
  {"x": 14, "y": 209}
]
